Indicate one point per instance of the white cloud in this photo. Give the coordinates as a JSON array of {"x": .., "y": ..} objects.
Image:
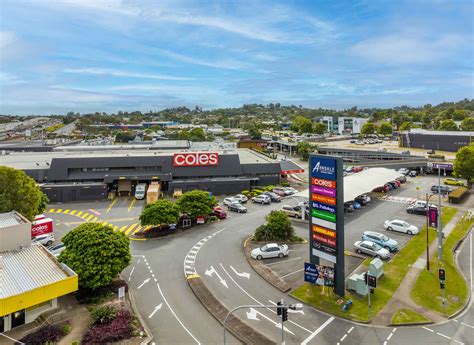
[
  {"x": 10, "y": 79},
  {"x": 223, "y": 64},
  {"x": 406, "y": 48},
  {"x": 7, "y": 38},
  {"x": 120, "y": 73}
]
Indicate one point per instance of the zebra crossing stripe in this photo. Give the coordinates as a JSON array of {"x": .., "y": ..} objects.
[
  {"x": 130, "y": 228},
  {"x": 73, "y": 212},
  {"x": 89, "y": 217},
  {"x": 59, "y": 210},
  {"x": 123, "y": 228},
  {"x": 136, "y": 230},
  {"x": 104, "y": 223},
  {"x": 66, "y": 211},
  {"x": 95, "y": 219},
  {"x": 51, "y": 210},
  {"x": 115, "y": 227},
  {"x": 79, "y": 213}
]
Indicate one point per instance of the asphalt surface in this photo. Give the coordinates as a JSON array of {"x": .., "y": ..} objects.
[{"x": 174, "y": 315}]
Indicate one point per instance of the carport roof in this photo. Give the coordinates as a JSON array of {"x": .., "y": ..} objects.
[{"x": 362, "y": 182}]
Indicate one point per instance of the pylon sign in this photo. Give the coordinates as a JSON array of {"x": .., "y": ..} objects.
[{"x": 326, "y": 224}]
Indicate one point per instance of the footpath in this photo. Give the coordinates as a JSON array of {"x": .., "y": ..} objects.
[{"x": 402, "y": 296}]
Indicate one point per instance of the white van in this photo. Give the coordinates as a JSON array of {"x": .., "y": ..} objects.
[{"x": 140, "y": 191}]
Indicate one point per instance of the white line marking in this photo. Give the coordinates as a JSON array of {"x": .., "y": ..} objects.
[
  {"x": 257, "y": 301},
  {"x": 343, "y": 337},
  {"x": 316, "y": 332},
  {"x": 389, "y": 336},
  {"x": 428, "y": 329},
  {"x": 243, "y": 274},
  {"x": 144, "y": 282},
  {"x": 139, "y": 260},
  {"x": 174, "y": 314},
  {"x": 444, "y": 336},
  {"x": 470, "y": 256},
  {"x": 349, "y": 331},
  {"x": 158, "y": 307},
  {"x": 289, "y": 274},
  {"x": 131, "y": 272},
  {"x": 457, "y": 341},
  {"x": 394, "y": 330},
  {"x": 465, "y": 324},
  {"x": 282, "y": 262}
]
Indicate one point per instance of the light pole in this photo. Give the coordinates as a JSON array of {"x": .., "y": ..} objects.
[
  {"x": 428, "y": 196},
  {"x": 440, "y": 226}
]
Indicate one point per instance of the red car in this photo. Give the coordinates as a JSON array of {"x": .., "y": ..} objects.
[
  {"x": 381, "y": 189},
  {"x": 219, "y": 213},
  {"x": 357, "y": 168}
]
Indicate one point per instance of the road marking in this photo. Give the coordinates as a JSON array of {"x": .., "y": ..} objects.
[
  {"x": 190, "y": 258},
  {"x": 111, "y": 205},
  {"x": 465, "y": 324},
  {"x": 59, "y": 210},
  {"x": 131, "y": 272},
  {"x": 350, "y": 330},
  {"x": 457, "y": 341},
  {"x": 192, "y": 276},
  {"x": 122, "y": 228},
  {"x": 343, "y": 337},
  {"x": 316, "y": 332},
  {"x": 131, "y": 204},
  {"x": 66, "y": 211},
  {"x": 104, "y": 223},
  {"x": 428, "y": 329},
  {"x": 289, "y": 274},
  {"x": 470, "y": 256},
  {"x": 243, "y": 274},
  {"x": 174, "y": 314},
  {"x": 79, "y": 213},
  {"x": 211, "y": 271},
  {"x": 389, "y": 336},
  {"x": 95, "y": 219},
  {"x": 252, "y": 315},
  {"x": 443, "y": 335},
  {"x": 73, "y": 212},
  {"x": 94, "y": 211},
  {"x": 136, "y": 230},
  {"x": 158, "y": 307},
  {"x": 257, "y": 301},
  {"x": 282, "y": 261},
  {"x": 144, "y": 282},
  {"x": 130, "y": 228},
  {"x": 51, "y": 210},
  {"x": 115, "y": 227}
]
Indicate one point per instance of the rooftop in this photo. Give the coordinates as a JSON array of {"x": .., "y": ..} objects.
[
  {"x": 28, "y": 269},
  {"x": 11, "y": 218},
  {"x": 427, "y": 132}
]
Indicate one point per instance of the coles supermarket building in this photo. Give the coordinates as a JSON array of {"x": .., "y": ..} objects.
[{"x": 90, "y": 175}]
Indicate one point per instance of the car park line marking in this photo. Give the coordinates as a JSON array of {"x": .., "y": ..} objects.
[
  {"x": 443, "y": 335},
  {"x": 136, "y": 230},
  {"x": 350, "y": 330},
  {"x": 131, "y": 204},
  {"x": 289, "y": 274},
  {"x": 343, "y": 337},
  {"x": 111, "y": 205},
  {"x": 316, "y": 332},
  {"x": 115, "y": 228},
  {"x": 131, "y": 272},
  {"x": 428, "y": 329},
  {"x": 282, "y": 261},
  {"x": 51, "y": 210},
  {"x": 85, "y": 215},
  {"x": 257, "y": 301},
  {"x": 457, "y": 341},
  {"x": 174, "y": 314},
  {"x": 59, "y": 210},
  {"x": 465, "y": 324},
  {"x": 130, "y": 228},
  {"x": 123, "y": 228}
]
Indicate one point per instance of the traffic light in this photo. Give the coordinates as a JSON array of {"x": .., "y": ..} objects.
[
  {"x": 284, "y": 314},
  {"x": 279, "y": 310},
  {"x": 441, "y": 285},
  {"x": 442, "y": 275}
]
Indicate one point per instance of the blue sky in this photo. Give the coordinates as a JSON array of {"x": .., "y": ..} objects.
[{"x": 109, "y": 55}]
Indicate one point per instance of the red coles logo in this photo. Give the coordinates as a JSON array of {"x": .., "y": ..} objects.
[{"x": 195, "y": 159}]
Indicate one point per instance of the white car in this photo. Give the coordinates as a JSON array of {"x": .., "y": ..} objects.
[
  {"x": 45, "y": 240},
  {"x": 401, "y": 226},
  {"x": 404, "y": 171},
  {"x": 270, "y": 250},
  {"x": 372, "y": 249},
  {"x": 57, "y": 249},
  {"x": 291, "y": 190},
  {"x": 232, "y": 200},
  {"x": 241, "y": 198},
  {"x": 262, "y": 199}
]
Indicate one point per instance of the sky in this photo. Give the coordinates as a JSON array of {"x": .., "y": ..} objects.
[{"x": 84, "y": 56}]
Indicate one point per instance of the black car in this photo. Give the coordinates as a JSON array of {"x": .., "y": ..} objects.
[
  {"x": 348, "y": 207},
  {"x": 393, "y": 184},
  {"x": 362, "y": 199},
  {"x": 417, "y": 210},
  {"x": 441, "y": 189},
  {"x": 273, "y": 196},
  {"x": 236, "y": 207},
  {"x": 401, "y": 179}
]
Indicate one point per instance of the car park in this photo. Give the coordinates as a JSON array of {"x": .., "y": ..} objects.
[
  {"x": 232, "y": 200},
  {"x": 401, "y": 226},
  {"x": 261, "y": 199},
  {"x": 381, "y": 189},
  {"x": 273, "y": 196},
  {"x": 281, "y": 191},
  {"x": 406, "y": 152},
  {"x": 404, "y": 171},
  {"x": 381, "y": 239},
  {"x": 292, "y": 211},
  {"x": 393, "y": 184},
  {"x": 353, "y": 141},
  {"x": 348, "y": 169},
  {"x": 291, "y": 190},
  {"x": 372, "y": 249},
  {"x": 356, "y": 205},
  {"x": 348, "y": 207},
  {"x": 413, "y": 173},
  {"x": 357, "y": 168},
  {"x": 441, "y": 189},
  {"x": 412, "y": 209},
  {"x": 239, "y": 208},
  {"x": 241, "y": 198},
  {"x": 270, "y": 250},
  {"x": 45, "y": 239},
  {"x": 363, "y": 199},
  {"x": 57, "y": 249},
  {"x": 401, "y": 179},
  {"x": 388, "y": 187},
  {"x": 453, "y": 182}
]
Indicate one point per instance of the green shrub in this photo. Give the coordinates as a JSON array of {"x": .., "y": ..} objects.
[
  {"x": 213, "y": 218},
  {"x": 278, "y": 227},
  {"x": 284, "y": 184},
  {"x": 246, "y": 193},
  {"x": 103, "y": 314},
  {"x": 457, "y": 195},
  {"x": 66, "y": 328},
  {"x": 258, "y": 191},
  {"x": 268, "y": 188},
  {"x": 435, "y": 156}
]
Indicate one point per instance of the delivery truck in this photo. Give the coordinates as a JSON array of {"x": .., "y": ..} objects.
[{"x": 153, "y": 193}]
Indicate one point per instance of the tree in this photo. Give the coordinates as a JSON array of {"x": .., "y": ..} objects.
[
  {"x": 255, "y": 133},
  {"x": 368, "y": 128},
  {"x": 196, "y": 203},
  {"x": 448, "y": 125},
  {"x": 19, "y": 192},
  {"x": 160, "y": 212},
  {"x": 464, "y": 164},
  {"x": 96, "y": 253},
  {"x": 124, "y": 137},
  {"x": 295, "y": 124},
  {"x": 277, "y": 227},
  {"x": 405, "y": 126},
  {"x": 306, "y": 126},
  {"x": 320, "y": 128},
  {"x": 468, "y": 124},
  {"x": 385, "y": 128},
  {"x": 304, "y": 148},
  {"x": 43, "y": 203}
]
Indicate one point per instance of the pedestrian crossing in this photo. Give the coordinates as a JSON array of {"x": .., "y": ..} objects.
[
  {"x": 399, "y": 199},
  {"x": 128, "y": 230}
]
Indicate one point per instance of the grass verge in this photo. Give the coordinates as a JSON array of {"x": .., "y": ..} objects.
[
  {"x": 456, "y": 290},
  {"x": 395, "y": 272},
  {"x": 407, "y": 316}
]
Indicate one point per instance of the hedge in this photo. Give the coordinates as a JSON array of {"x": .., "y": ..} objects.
[
  {"x": 436, "y": 156},
  {"x": 457, "y": 195}
]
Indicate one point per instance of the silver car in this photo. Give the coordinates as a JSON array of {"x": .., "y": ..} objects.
[
  {"x": 401, "y": 226},
  {"x": 262, "y": 199},
  {"x": 57, "y": 249},
  {"x": 270, "y": 250},
  {"x": 372, "y": 249}
]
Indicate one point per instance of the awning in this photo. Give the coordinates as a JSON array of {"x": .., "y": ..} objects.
[{"x": 290, "y": 167}]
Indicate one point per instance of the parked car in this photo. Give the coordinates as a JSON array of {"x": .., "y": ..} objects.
[
  {"x": 45, "y": 239},
  {"x": 401, "y": 179},
  {"x": 406, "y": 152},
  {"x": 219, "y": 213},
  {"x": 292, "y": 211},
  {"x": 357, "y": 168},
  {"x": 57, "y": 249},
  {"x": 242, "y": 198},
  {"x": 360, "y": 142},
  {"x": 381, "y": 189},
  {"x": 239, "y": 208},
  {"x": 270, "y": 250},
  {"x": 231, "y": 200},
  {"x": 441, "y": 189},
  {"x": 422, "y": 203},
  {"x": 401, "y": 226},
  {"x": 404, "y": 171},
  {"x": 453, "y": 182},
  {"x": 412, "y": 209},
  {"x": 413, "y": 173},
  {"x": 381, "y": 239},
  {"x": 280, "y": 191},
  {"x": 372, "y": 249},
  {"x": 353, "y": 141},
  {"x": 393, "y": 184},
  {"x": 363, "y": 199},
  {"x": 388, "y": 187},
  {"x": 262, "y": 199},
  {"x": 348, "y": 169},
  {"x": 291, "y": 190},
  {"x": 348, "y": 207},
  {"x": 397, "y": 182},
  {"x": 273, "y": 196},
  {"x": 356, "y": 205},
  {"x": 431, "y": 152}
]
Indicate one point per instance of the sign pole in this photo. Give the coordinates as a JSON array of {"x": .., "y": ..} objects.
[{"x": 368, "y": 289}]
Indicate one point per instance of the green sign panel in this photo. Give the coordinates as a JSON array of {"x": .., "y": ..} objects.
[{"x": 324, "y": 215}]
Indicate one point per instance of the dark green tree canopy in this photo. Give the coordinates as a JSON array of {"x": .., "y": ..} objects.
[
  {"x": 405, "y": 126},
  {"x": 385, "y": 128},
  {"x": 196, "y": 203},
  {"x": 160, "y": 212},
  {"x": 464, "y": 163},
  {"x": 306, "y": 126},
  {"x": 20, "y": 192},
  {"x": 319, "y": 128},
  {"x": 448, "y": 125},
  {"x": 277, "y": 227},
  {"x": 368, "y": 128},
  {"x": 467, "y": 124},
  {"x": 96, "y": 253}
]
